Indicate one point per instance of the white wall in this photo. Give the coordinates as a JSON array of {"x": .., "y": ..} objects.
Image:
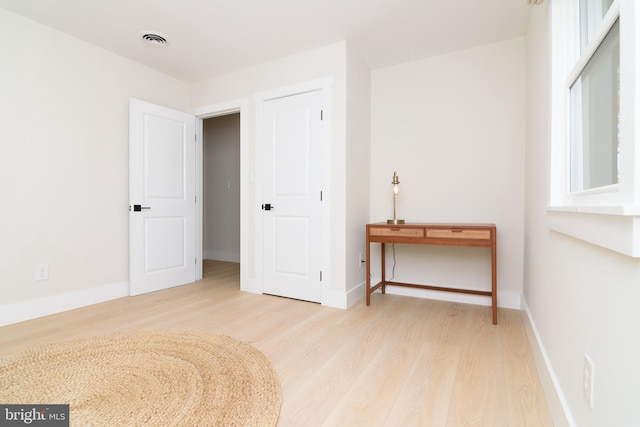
[
  {"x": 453, "y": 128},
  {"x": 64, "y": 166},
  {"x": 221, "y": 159},
  {"x": 581, "y": 298},
  {"x": 358, "y": 158}
]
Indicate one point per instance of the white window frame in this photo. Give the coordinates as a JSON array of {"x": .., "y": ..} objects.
[{"x": 608, "y": 216}]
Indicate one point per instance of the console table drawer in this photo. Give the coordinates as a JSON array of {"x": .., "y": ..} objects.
[
  {"x": 458, "y": 233},
  {"x": 397, "y": 232}
]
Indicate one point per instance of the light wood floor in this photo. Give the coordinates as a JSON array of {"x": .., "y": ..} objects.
[{"x": 400, "y": 362}]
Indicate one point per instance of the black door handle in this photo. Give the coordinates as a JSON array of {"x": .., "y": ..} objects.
[
  {"x": 139, "y": 208},
  {"x": 267, "y": 207}
]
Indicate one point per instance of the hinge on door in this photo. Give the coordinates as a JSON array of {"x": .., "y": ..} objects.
[
  {"x": 320, "y": 195},
  {"x": 321, "y": 275},
  {"x": 321, "y": 115}
]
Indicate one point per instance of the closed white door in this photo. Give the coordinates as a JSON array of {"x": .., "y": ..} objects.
[
  {"x": 161, "y": 198},
  {"x": 292, "y": 209}
]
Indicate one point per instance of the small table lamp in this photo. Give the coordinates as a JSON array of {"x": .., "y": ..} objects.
[{"x": 395, "y": 183}]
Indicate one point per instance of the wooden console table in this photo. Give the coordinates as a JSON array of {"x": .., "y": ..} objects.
[{"x": 474, "y": 235}]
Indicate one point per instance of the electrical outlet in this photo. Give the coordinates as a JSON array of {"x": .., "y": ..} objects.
[
  {"x": 42, "y": 272},
  {"x": 587, "y": 380}
]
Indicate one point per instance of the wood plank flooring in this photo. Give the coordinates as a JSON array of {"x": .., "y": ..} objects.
[{"x": 400, "y": 362}]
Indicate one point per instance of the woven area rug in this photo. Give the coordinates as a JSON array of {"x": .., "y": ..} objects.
[{"x": 148, "y": 378}]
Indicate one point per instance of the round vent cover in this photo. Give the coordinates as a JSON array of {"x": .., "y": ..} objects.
[{"x": 154, "y": 39}]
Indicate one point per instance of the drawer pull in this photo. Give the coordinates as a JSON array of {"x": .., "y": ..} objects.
[{"x": 456, "y": 230}]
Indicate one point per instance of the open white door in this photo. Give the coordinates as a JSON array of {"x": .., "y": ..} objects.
[
  {"x": 292, "y": 213},
  {"x": 162, "y": 208}
]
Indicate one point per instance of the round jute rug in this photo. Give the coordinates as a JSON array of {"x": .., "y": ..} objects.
[{"x": 148, "y": 378}]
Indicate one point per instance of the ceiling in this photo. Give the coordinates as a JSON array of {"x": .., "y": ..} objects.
[{"x": 212, "y": 37}]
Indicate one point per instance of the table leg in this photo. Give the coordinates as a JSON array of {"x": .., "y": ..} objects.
[
  {"x": 382, "y": 268},
  {"x": 368, "y": 273},
  {"x": 494, "y": 287}
]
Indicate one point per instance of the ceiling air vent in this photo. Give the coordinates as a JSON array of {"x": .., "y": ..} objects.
[{"x": 154, "y": 39}]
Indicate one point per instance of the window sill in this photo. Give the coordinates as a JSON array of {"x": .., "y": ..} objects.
[{"x": 613, "y": 227}]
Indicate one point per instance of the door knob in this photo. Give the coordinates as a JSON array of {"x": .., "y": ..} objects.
[
  {"x": 267, "y": 207},
  {"x": 139, "y": 208}
]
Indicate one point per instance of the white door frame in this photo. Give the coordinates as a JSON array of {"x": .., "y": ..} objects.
[
  {"x": 323, "y": 85},
  {"x": 246, "y": 179}
]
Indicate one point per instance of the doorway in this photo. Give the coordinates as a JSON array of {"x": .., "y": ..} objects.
[
  {"x": 251, "y": 198},
  {"x": 221, "y": 189}
]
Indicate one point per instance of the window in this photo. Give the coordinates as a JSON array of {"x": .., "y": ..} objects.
[
  {"x": 595, "y": 156},
  {"x": 595, "y": 117},
  {"x": 591, "y": 14}
]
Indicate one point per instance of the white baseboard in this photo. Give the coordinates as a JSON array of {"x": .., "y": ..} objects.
[
  {"x": 250, "y": 285},
  {"x": 335, "y": 299},
  {"x": 356, "y": 294},
  {"x": 558, "y": 406},
  {"x": 222, "y": 256},
  {"x": 505, "y": 299},
  {"x": 27, "y": 310}
]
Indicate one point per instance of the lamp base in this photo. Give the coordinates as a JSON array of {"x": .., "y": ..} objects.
[{"x": 395, "y": 221}]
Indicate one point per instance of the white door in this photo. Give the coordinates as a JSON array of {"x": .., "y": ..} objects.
[
  {"x": 292, "y": 196},
  {"x": 161, "y": 198}
]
